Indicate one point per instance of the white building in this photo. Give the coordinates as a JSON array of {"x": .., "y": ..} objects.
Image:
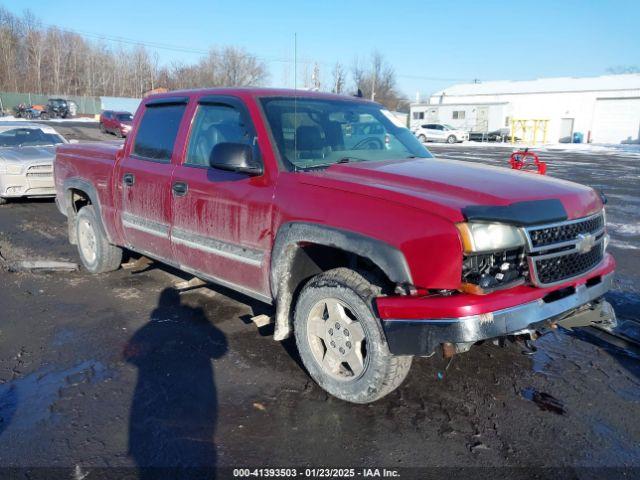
[{"x": 604, "y": 109}]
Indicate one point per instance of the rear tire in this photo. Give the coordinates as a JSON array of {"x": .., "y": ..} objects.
[
  {"x": 451, "y": 139},
  {"x": 340, "y": 340},
  {"x": 102, "y": 129},
  {"x": 96, "y": 253}
]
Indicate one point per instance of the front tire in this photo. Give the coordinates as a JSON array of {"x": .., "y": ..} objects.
[
  {"x": 451, "y": 139},
  {"x": 340, "y": 340},
  {"x": 4, "y": 201},
  {"x": 96, "y": 253},
  {"x": 422, "y": 138}
]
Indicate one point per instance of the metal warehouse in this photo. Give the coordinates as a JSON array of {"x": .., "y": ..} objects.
[{"x": 603, "y": 109}]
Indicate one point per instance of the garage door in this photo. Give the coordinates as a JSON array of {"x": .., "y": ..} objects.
[{"x": 616, "y": 120}]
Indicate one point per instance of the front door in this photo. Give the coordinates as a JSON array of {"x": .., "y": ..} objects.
[
  {"x": 221, "y": 218},
  {"x": 145, "y": 180},
  {"x": 566, "y": 130},
  {"x": 482, "y": 119},
  {"x": 438, "y": 132}
]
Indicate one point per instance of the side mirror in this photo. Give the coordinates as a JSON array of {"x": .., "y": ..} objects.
[{"x": 235, "y": 157}]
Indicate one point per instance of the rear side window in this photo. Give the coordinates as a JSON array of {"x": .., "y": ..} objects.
[{"x": 157, "y": 132}]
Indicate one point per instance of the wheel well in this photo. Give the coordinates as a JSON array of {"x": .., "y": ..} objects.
[
  {"x": 307, "y": 260},
  {"x": 77, "y": 200},
  {"x": 312, "y": 259}
]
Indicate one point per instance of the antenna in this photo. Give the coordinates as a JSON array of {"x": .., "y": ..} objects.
[{"x": 295, "y": 96}]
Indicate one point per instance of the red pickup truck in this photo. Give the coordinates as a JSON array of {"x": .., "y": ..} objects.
[{"x": 371, "y": 250}]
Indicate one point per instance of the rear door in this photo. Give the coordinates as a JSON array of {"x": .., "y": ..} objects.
[
  {"x": 221, "y": 219},
  {"x": 144, "y": 177}
]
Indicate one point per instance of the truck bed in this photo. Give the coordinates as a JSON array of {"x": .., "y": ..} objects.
[{"x": 88, "y": 164}]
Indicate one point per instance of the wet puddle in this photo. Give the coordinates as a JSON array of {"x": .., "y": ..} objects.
[
  {"x": 26, "y": 401},
  {"x": 544, "y": 401}
]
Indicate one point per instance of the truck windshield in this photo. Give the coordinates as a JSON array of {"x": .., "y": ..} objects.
[
  {"x": 316, "y": 133},
  {"x": 124, "y": 117},
  {"x": 28, "y": 137}
]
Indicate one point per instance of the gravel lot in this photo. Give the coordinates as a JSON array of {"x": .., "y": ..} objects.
[{"x": 117, "y": 371}]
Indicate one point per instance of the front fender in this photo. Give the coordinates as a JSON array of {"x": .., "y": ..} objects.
[{"x": 288, "y": 241}]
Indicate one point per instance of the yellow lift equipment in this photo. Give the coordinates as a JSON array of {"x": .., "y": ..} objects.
[{"x": 529, "y": 130}]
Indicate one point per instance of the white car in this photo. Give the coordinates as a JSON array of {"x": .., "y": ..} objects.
[
  {"x": 27, "y": 151},
  {"x": 440, "y": 132}
]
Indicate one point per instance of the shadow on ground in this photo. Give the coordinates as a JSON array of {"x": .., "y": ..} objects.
[{"x": 175, "y": 407}]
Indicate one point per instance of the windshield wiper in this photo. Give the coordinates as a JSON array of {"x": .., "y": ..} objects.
[{"x": 351, "y": 159}]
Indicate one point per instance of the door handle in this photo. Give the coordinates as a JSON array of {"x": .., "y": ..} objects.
[
  {"x": 180, "y": 189},
  {"x": 129, "y": 179}
]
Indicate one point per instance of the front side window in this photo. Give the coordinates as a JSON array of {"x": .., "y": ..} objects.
[
  {"x": 214, "y": 124},
  {"x": 157, "y": 132},
  {"x": 315, "y": 133}
]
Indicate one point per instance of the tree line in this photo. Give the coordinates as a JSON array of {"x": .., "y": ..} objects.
[{"x": 49, "y": 60}]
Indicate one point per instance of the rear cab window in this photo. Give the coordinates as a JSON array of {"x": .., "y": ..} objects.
[{"x": 157, "y": 131}]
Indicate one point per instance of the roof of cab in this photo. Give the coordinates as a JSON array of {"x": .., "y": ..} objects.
[{"x": 255, "y": 92}]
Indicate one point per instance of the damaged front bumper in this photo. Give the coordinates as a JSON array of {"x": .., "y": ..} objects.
[{"x": 574, "y": 306}]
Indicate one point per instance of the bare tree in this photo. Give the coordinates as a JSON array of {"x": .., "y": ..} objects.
[
  {"x": 315, "y": 77},
  {"x": 39, "y": 59},
  {"x": 50, "y": 60},
  {"x": 339, "y": 78},
  {"x": 376, "y": 80}
]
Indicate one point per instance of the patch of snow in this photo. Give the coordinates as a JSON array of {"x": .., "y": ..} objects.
[
  {"x": 541, "y": 85},
  {"x": 11, "y": 118},
  {"x": 77, "y": 119},
  {"x": 625, "y": 229},
  {"x": 624, "y": 245},
  {"x": 631, "y": 150}
]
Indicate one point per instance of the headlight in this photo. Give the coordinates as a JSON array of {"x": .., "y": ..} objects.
[
  {"x": 489, "y": 237},
  {"x": 13, "y": 169}
]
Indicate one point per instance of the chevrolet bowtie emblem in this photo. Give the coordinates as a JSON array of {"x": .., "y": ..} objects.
[{"x": 585, "y": 242}]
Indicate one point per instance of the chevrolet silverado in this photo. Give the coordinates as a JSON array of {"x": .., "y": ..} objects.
[{"x": 325, "y": 206}]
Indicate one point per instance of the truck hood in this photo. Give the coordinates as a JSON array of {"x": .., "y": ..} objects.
[
  {"x": 446, "y": 187},
  {"x": 42, "y": 154}
]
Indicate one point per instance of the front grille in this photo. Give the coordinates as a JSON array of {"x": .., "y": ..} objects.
[
  {"x": 40, "y": 168},
  {"x": 544, "y": 236},
  {"x": 565, "y": 250},
  {"x": 556, "y": 269},
  {"x": 39, "y": 174}
]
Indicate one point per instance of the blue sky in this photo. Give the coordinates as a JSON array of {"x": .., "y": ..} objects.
[{"x": 431, "y": 44}]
